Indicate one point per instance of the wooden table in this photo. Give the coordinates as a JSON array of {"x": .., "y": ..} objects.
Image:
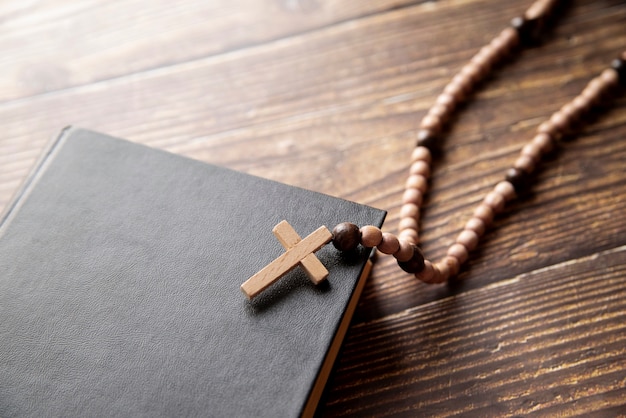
[{"x": 328, "y": 95}]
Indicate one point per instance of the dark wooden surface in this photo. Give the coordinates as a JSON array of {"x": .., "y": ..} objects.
[{"x": 328, "y": 95}]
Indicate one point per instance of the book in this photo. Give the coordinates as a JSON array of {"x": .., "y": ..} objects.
[{"x": 120, "y": 275}]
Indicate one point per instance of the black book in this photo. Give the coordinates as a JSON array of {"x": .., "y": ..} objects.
[{"x": 120, "y": 274}]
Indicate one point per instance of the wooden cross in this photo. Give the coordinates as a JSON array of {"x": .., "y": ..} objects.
[{"x": 299, "y": 252}]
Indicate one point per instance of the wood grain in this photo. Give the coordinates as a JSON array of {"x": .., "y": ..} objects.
[{"x": 328, "y": 95}]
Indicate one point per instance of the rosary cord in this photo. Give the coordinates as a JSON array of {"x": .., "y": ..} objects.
[{"x": 524, "y": 30}]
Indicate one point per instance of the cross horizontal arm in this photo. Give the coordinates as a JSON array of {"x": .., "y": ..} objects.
[{"x": 286, "y": 262}]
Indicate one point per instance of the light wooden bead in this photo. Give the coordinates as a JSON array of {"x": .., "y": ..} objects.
[
  {"x": 495, "y": 201},
  {"x": 440, "y": 111},
  {"x": 432, "y": 123},
  {"x": 510, "y": 38},
  {"x": 453, "y": 265},
  {"x": 543, "y": 142},
  {"x": 465, "y": 83},
  {"x": 407, "y": 223},
  {"x": 459, "y": 251},
  {"x": 549, "y": 128},
  {"x": 455, "y": 90},
  {"x": 561, "y": 121},
  {"x": 389, "y": 244},
  {"x": 487, "y": 55},
  {"x": 477, "y": 225},
  {"x": 506, "y": 190},
  {"x": 468, "y": 239},
  {"x": 594, "y": 90},
  {"x": 410, "y": 210},
  {"x": 610, "y": 77},
  {"x": 474, "y": 71},
  {"x": 581, "y": 103},
  {"x": 533, "y": 151},
  {"x": 421, "y": 154},
  {"x": 525, "y": 163},
  {"x": 420, "y": 167},
  {"x": 418, "y": 182},
  {"x": 409, "y": 235},
  {"x": 405, "y": 252},
  {"x": 447, "y": 100},
  {"x": 484, "y": 213},
  {"x": 572, "y": 113},
  {"x": 427, "y": 275},
  {"x": 539, "y": 9},
  {"x": 412, "y": 196},
  {"x": 371, "y": 236},
  {"x": 443, "y": 272}
]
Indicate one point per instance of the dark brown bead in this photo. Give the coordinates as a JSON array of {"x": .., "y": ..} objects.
[
  {"x": 528, "y": 30},
  {"x": 619, "y": 65},
  {"x": 426, "y": 138},
  {"x": 415, "y": 264},
  {"x": 346, "y": 236},
  {"x": 518, "y": 178}
]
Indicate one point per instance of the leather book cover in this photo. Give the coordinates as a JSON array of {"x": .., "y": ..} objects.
[{"x": 120, "y": 274}]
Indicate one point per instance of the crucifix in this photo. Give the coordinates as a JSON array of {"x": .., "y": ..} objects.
[{"x": 298, "y": 252}]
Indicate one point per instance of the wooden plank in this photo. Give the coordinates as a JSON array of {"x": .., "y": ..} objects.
[
  {"x": 550, "y": 342},
  {"x": 58, "y": 44},
  {"x": 319, "y": 116},
  {"x": 311, "y": 265}
]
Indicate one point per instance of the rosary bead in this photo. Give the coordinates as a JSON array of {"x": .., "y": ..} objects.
[
  {"x": 495, "y": 201},
  {"x": 418, "y": 182},
  {"x": 409, "y": 210},
  {"x": 544, "y": 142},
  {"x": 510, "y": 39},
  {"x": 464, "y": 83},
  {"x": 506, "y": 189},
  {"x": 427, "y": 274},
  {"x": 440, "y": 111},
  {"x": 412, "y": 196},
  {"x": 443, "y": 272},
  {"x": 459, "y": 251},
  {"x": 619, "y": 65},
  {"x": 405, "y": 252},
  {"x": 431, "y": 123},
  {"x": 346, "y": 236},
  {"x": 485, "y": 213},
  {"x": 560, "y": 121},
  {"x": 409, "y": 235},
  {"x": 371, "y": 236},
  {"x": 426, "y": 139},
  {"x": 594, "y": 91},
  {"x": 581, "y": 104},
  {"x": 476, "y": 224},
  {"x": 456, "y": 90},
  {"x": 446, "y": 100},
  {"x": 421, "y": 168},
  {"x": 421, "y": 153},
  {"x": 416, "y": 263},
  {"x": 468, "y": 239},
  {"x": 475, "y": 72},
  {"x": 525, "y": 164},
  {"x": 532, "y": 151},
  {"x": 518, "y": 178},
  {"x": 610, "y": 77},
  {"x": 407, "y": 223},
  {"x": 453, "y": 264},
  {"x": 389, "y": 244},
  {"x": 550, "y": 129}
]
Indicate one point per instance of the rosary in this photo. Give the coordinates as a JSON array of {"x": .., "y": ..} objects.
[{"x": 523, "y": 31}]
